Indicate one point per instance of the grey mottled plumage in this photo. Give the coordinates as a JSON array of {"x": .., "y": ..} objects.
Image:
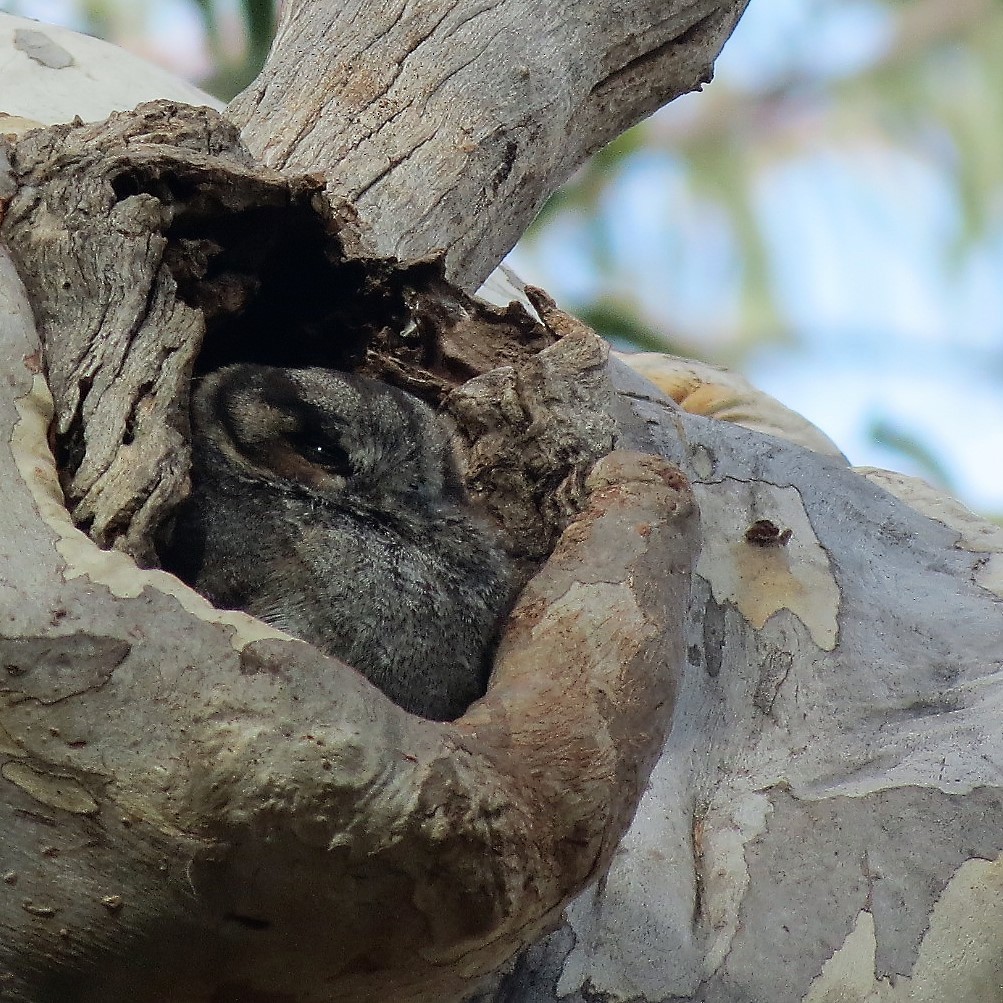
[{"x": 329, "y": 505}]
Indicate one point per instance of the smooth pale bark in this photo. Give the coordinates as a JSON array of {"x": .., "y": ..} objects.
[
  {"x": 51, "y": 74},
  {"x": 822, "y": 824}
]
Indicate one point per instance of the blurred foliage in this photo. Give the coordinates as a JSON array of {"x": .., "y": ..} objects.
[
  {"x": 620, "y": 325},
  {"x": 927, "y": 89},
  {"x": 232, "y": 75},
  {"x": 932, "y": 88},
  {"x": 890, "y": 435}
]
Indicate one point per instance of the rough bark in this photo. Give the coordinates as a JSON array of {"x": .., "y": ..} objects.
[
  {"x": 822, "y": 823},
  {"x": 263, "y": 760},
  {"x": 448, "y": 125},
  {"x": 265, "y": 756}
]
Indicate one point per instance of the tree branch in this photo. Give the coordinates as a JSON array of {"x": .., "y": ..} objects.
[
  {"x": 195, "y": 807},
  {"x": 143, "y": 723},
  {"x": 448, "y": 126}
]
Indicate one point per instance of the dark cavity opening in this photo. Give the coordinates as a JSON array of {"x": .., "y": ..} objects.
[
  {"x": 267, "y": 271},
  {"x": 249, "y": 922}
]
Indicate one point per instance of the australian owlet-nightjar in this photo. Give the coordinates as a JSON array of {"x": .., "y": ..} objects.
[{"x": 329, "y": 505}]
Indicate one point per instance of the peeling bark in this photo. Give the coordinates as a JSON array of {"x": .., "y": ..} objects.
[
  {"x": 263, "y": 755},
  {"x": 820, "y": 823},
  {"x": 196, "y": 807}
]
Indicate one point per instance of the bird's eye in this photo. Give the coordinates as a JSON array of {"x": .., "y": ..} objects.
[{"x": 324, "y": 452}]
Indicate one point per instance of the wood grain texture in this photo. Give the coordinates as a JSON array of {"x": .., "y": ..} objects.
[{"x": 448, "y": 125}]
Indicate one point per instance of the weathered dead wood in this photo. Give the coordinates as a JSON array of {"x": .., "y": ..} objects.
[
  {"x": 82, "y": 214},
  {"x": 157, "y": 224},
  {"x": 175, "y": 248},
  {"x": 279, "y": 815},
  {"x": 448, "y": 125}
]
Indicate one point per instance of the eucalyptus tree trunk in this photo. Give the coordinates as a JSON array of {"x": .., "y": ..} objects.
[{"x": 197, "y": 808}]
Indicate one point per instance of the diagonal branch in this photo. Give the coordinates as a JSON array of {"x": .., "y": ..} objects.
[{"x": 448, "y": 126}]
